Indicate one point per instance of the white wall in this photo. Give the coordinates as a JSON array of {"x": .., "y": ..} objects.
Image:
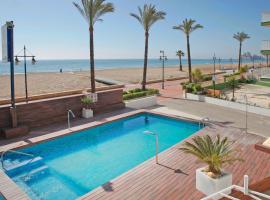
[
  {"x": 142, "y": 102},
  {"x": 229, "y": 104}
]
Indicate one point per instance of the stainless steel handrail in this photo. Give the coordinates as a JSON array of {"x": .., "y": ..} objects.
[
  {"x": 16, "y": 152},
  {"x": 73, "y": 115},
  {"x": 201, "y": 122}
]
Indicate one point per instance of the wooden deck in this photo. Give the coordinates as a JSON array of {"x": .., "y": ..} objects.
[
  {"x": 9, "y": 189},
  {"x": 174, "y": 177}
]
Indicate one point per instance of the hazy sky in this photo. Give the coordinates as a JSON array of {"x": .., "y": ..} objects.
[{"x": 54, "y": 29}]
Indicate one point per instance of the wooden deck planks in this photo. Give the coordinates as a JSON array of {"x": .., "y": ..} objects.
[{"x": 10, "y": 190}]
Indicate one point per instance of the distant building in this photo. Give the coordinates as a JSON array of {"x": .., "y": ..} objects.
[{"x": 265, "y": 49}]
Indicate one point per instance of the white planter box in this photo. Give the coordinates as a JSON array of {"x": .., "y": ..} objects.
[
  {"x": 142, "y": 102},
  {"x": 208, "y": 185},
  {"x": 228, "y": 104},
  {"x": 87, "y": 113}
]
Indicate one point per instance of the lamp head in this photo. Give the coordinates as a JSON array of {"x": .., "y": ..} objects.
[
  {"x": 33, "y": 60},
  {"x": 17, "y": 61}
]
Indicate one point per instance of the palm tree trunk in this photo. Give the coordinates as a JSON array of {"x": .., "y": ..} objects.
[
  {"x": 240, "y": 52},
  {"x": 145, "y": 60},
  {"x": 181, "y": 67},
  {"x": 189, "y": 59},
  {"x": 92, "y": 62}
]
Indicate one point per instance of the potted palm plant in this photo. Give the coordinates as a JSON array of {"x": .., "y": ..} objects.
[
  {"x": 215, "y": 153},
  {"x": 87, "y": 112}
]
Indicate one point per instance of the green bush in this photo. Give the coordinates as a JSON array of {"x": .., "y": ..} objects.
[
  {"x": 247, "y": 81},
  {"x": 192, "y": 87},
  {"x": 207, "y": 77},
  {"x": 137, "y": 93},
  {"x": 197, "y": 75},
  {"x": 243, "y": 69},
  {"x": 86, "y": 101},
  {"x": 135, "y": 90}
]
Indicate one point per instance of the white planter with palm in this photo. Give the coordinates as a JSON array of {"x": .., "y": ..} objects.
[{"x": 215, "y": 153}]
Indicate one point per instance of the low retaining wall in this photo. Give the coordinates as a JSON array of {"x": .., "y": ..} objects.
[
  {"x": 48, "y": 111},
  {"x": 229, "y": 104},
  {"x": 59, "y": 94},
  {"x": 142, "y": 102}
]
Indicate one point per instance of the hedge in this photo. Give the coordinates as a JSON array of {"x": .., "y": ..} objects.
[{"x": 137, "y": 93}]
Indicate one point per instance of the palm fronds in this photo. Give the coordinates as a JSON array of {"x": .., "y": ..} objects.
[
  {"x": 241, "y": 36},
  {"x": 214, "y": 152},
  {"x": 188, "y": 26},
  {"x": 148, "y": 15},
  {"x": 93, "y": 10}
]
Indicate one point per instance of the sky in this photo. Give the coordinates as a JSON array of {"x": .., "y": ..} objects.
[{"x": 54, "y": 29}]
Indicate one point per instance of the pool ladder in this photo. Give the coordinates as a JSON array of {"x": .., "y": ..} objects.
[
  {"x": 68, "y": 117},
  {"x": 15, "y": 152},
  {"x": 203, "y": 121}
]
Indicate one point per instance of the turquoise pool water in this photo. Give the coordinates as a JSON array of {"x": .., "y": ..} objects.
[{"x": 69, "y": 167}]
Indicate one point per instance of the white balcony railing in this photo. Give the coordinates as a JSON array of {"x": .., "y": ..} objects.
[
  {"x": 244, "y": 190},
  {"x": 265, "y": 17},
  {"x": 265, "y": 45}
]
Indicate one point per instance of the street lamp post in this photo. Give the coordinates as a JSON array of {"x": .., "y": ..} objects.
[
  {"x": 214, "y": 75},
  {"x": 156, "y": 137},
  {"x": 7, "y": 31},
  {"x": 163, "y": 58},
  {"x": 24, "y": 56},
  {"x": 219, "y": 60}
]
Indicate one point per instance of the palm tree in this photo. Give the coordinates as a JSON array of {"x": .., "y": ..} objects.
[
  {"x": 147, "y": 17},
  {"x": 241, "y": 37},
  {"x": 214, "y": 152},
  {"x": 180, "y": 53},
  {"x": 92, "y": 10},
  {"x": 188, "y": 26}
]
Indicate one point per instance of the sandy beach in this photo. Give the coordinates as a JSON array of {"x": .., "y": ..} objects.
[{"x": 42, "y": 83}]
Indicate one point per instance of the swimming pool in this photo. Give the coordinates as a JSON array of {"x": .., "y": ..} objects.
[{"x": 71, "y": 166}]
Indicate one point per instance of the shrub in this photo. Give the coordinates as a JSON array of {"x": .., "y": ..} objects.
[
  {"x": 135, "y": 90},
  {"x": 197, "y": 75},
  {"x": 137, "y": 93},
  {"x": 207, "y": 77},
  {"x": 86, "y": 101},
  {"x": 192, "y": 87},
  {"x": 134, "y": 95},
  {"x": 243, "y": 69}
]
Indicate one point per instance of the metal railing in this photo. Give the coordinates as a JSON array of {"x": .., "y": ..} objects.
[
  {"x": 245, "y": 190},
  {"x": 68, "y": 116},
  {"x": 203, "y": 121},
  {"x": 15, "y": 152}
]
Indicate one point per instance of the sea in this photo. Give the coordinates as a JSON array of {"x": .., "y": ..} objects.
[{"x": 100, "y": 64}]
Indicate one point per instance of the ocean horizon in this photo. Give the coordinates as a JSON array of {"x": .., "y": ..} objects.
[{"x": 73, "y": 65}]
